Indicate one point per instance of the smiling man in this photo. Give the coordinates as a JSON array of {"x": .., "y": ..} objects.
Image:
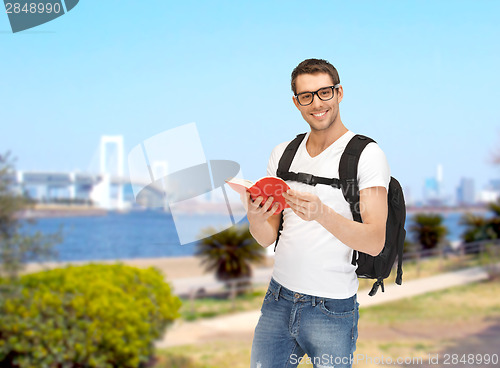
[{"x": 310, "y": 306}]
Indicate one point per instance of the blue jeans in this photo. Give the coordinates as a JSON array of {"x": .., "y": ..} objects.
[{"x": 292, "y": 324}]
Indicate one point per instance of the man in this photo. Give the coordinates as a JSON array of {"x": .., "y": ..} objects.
[{"x": 310, "y": 306}]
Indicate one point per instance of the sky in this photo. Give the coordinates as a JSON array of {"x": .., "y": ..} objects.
[{"x": 419, "y": 77}]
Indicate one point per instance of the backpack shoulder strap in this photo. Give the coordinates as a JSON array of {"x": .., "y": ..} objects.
[
  {"x": 288, "y": 155},
  {"x": 283, "y": 167},
  {"x": 348, "y": 172}
]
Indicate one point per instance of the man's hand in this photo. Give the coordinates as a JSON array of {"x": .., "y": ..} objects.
[
  {"x": 263, "y": 223},
  {"x": 257, "y": 213},
  {"x": 307, "y": 206}
]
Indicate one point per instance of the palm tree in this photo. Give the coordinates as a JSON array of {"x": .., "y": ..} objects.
[
  {"x": 476, "y": 228},
  {"x": 494, "y": 222},
  {"x": 428, "y": 229},
  {"x": 482, "y": 228},
  {"x": 229, "y": 253}
]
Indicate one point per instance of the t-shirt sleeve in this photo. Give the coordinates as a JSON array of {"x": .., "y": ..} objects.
[
  {"x": 373, "y": 168},
  {"x": 274, "y": 159}
]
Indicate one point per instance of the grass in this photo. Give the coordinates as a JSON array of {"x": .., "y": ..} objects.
[
  {"x": 215, "y": 354},
  {"x": 215, "y": 306},
  {"x": 462, "y": 304},
  {"x": 414, "y": 269},
  {"x": 411, "y": 329}
]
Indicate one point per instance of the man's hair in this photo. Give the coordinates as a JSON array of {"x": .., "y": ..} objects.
[{"x": 313, "y": 66}]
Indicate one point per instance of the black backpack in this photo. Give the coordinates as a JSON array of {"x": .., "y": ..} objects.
[{"x": 379, "y": 267}]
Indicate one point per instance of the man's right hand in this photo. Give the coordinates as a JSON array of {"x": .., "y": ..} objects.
[
  {"x": 258, "y": 213},
  {"x": 263, "y": 223}
]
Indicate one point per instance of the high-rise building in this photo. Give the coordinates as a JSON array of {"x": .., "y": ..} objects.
[
  {"x": 491, "y": 192},
  {"x": 465, "y": 192},
  {"x": 495, "y": 184},
  {"x": 433, "y": 189},
  {"x": 407, "y": 195}
]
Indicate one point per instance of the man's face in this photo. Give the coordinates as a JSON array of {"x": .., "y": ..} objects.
[{"x": 320, "y": 115}]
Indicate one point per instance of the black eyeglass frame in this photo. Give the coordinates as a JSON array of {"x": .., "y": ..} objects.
[{"x": 316, "y": 93}]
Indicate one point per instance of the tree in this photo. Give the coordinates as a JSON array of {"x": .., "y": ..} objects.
[
  {"x": 229, "y": 253},
  {"x": 476, "y": 228},
  {"x": 481, "y": 228},
  {"x": 428, "y": 229},
  {"x": 494, "y": 221},
  {"x": 18, "y": 247}
]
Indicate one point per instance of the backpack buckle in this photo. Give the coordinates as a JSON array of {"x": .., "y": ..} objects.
[{"x": 306, "y": 178}]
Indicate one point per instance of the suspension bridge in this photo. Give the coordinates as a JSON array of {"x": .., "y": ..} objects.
[{"x": 107, "y": 187}]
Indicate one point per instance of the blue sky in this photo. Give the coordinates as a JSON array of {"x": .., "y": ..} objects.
[{"x": 420, "y": 77}]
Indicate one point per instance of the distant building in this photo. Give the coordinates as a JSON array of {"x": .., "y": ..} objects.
[
  {"x": 491, "y": 193},
  {"x": 408, "y": 197},
  {"x": 465, "y": 192},
  {"x": 488, "y": 196},
  {"x": 431, "y": 191},
  {"x": 495, "y": 184}
]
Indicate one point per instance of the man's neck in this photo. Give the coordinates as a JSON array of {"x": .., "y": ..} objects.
[{"x": 319, "y": 140}]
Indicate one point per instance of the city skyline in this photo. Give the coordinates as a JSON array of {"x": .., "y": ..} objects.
[
  {"x": 110, "y": 163},
  {"x": 420, "y": 78}
]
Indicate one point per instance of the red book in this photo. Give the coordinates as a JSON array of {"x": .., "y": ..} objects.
[{"x": 266, "y": 187}]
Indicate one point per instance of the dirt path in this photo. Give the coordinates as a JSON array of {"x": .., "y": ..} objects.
[{"x": 480, "y": 349}]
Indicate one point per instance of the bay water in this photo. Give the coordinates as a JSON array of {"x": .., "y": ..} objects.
[{"x": 144, "y": 234}]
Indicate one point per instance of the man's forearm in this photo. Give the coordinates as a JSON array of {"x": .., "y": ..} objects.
[
  {"x": 367, "y": 238},
  {"x": 264, "y": 233}
]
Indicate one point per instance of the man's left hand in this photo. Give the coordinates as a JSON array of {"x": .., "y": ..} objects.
[{"x": 307, "y": 206}]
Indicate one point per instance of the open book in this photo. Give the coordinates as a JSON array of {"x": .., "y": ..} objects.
[{"x": 266, "y": 187}]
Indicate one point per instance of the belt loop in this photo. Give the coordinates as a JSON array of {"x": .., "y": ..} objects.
[
  {"x": 276, "y": 297},
  {"x": 313, "y": 301}
]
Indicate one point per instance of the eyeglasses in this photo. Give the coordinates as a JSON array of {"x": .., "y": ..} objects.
[{"x": 324, "y": 94}]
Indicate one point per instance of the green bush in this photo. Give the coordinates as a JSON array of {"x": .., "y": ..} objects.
[{"x": 87, "y": 316}]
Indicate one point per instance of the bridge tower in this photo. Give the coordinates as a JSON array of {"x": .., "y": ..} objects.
[{"x": 102, "y": 191}]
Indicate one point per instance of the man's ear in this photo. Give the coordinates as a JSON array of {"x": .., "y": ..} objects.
[
  {"x": 340, "y": 94},
  {"x": 295, "y": 102}
]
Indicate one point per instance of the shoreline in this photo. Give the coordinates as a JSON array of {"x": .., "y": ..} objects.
[
  {"x": 52, "y": 210},
  {"x": 171, "y": 267},
  {"x": 39, "y": 211}
]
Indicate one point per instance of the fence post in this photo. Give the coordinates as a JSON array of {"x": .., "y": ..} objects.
[
  {"x": 482, "y": 248},
  {"x": 191, "y": 300},
  {"x": 441, "y": 256},
  {"x": 461, "y": 255},
  {"x": 232, "y": 293},
  {"x": 418, "y": 264}
]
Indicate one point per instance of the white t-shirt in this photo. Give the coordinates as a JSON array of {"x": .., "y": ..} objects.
[{"x": 309, "y": 259}]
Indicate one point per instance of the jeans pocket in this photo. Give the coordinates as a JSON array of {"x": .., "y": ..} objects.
[
  {"x": 338, "y": 307},
  {"x": 270, "y": 296},
  {"x": 272, "y": 292}
]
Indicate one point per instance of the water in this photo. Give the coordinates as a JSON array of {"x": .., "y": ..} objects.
[
  {"x": 455, "y": 230},
  {"x": 141, "y": 234},
  {"x": 147, "y": 234},
  {"x": 450, "y": 221}
]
